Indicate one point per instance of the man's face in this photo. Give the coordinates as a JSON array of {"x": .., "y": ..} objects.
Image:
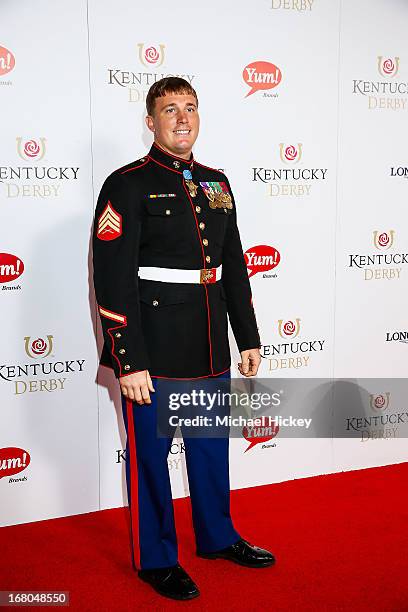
[{"x": 175, "y": 123}]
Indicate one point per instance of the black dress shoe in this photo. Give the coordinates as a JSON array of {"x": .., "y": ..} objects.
[
  {"x": 171, "y": 582},
  {"x": 243, "y": 553}
]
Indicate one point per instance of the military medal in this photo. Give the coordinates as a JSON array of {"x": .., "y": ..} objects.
[
  {"x": 217, "y": 194},
  {"x": 188, "y": 177}
]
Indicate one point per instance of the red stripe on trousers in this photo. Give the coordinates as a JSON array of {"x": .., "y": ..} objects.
[{"x": 134, "y": 488}]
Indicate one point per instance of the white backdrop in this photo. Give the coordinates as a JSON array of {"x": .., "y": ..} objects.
[{"x": 318, "y": 169}]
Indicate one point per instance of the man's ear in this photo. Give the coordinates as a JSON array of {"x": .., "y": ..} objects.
[{"x": 150, "y": 122}]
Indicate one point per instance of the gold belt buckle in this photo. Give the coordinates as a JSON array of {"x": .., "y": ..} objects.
[{"x": 208, "y": 275}]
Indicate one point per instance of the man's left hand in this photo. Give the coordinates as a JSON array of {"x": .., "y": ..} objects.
[{"x": 251, "y": 359}]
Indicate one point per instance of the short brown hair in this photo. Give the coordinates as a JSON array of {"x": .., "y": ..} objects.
[{"x": 168, "y": 85}]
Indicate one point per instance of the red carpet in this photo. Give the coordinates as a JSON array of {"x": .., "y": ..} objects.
[{"x": 341, "y": 543}]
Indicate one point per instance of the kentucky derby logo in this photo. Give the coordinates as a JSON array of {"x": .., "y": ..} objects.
[
  {"x": 289, "y": 328},
  {"x": 379, "y": 402},
  {"x": 384, "y": 240},
  {"x": 31, "y": 149},
  {"x": 388, "y": 67},
  {"x": 261, "y": 75},
  {"x": 7, "y": 61},
  {"x": 151, "y": 56},
  {"x": 39, "y": 347},
  {"x": 290, "y": 154}
]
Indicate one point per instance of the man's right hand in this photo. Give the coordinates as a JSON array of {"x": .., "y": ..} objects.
[{"x": 136, "y": 387}]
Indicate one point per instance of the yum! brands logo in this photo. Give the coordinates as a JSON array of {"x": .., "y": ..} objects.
[
  {"x": 11, "y": 267},
  {"x": 290, "y": 354},
  {"x": 7, "y": 63},
  {"x": 386, "y": 265},
  {"x": 262, "y": 76},
  {"x": 388, "y": 93},
  {"x": 41, "y": 374},
  {"x": 293, "y": 178},
  {"x": 13, "y": 460},
  {"x": 261, "y": 431},
  {"x": 262, "y": 258}
]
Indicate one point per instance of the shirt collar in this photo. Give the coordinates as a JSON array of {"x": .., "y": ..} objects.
[{"x": 172, "y": 162}]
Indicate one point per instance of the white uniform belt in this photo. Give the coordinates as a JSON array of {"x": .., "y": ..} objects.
[{"x": 174, "y": 275}]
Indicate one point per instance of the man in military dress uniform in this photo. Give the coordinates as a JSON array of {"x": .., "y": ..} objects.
[{"x": 168, "y": 268}]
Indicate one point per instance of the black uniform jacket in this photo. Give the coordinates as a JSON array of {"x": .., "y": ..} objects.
[{"x": 147, "y": 216}]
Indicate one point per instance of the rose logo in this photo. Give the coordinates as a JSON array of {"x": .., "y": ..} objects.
[
  {"x": 290, "y": 153},
  {"x": 151, "y": 55},
  {"x": 290, "y": 328},
  {"x": 380, "y": 402},
  {"x": 31, "y": 148},
  {"x": 383, "y": 240},
  {"x": 388, "y": 67},
  {"x": 39, "y": 346}
]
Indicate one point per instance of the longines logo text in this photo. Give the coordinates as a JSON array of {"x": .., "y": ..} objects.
[
  {"x": 384, "y": 94},
  {"x": 138, "y": 83},
  {"x": 34, "y": 181},
  {"x": 292, "y": 179},
  {"x": 40, "y": 375},
  {"x": 290, "y": 354},
  {"x": 382, "y": 241}
]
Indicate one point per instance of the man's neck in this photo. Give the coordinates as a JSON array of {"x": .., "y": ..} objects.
[{"x": 185, "y": 155}]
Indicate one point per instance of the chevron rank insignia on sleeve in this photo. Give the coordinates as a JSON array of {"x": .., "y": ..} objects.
[{"x": 109, "y": 223}]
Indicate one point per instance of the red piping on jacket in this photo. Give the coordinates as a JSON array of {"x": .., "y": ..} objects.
[
  {"x": 136, "y": 167},
  {"x": 163, "y": 166},
  {"x": 134, "y": 486}
]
